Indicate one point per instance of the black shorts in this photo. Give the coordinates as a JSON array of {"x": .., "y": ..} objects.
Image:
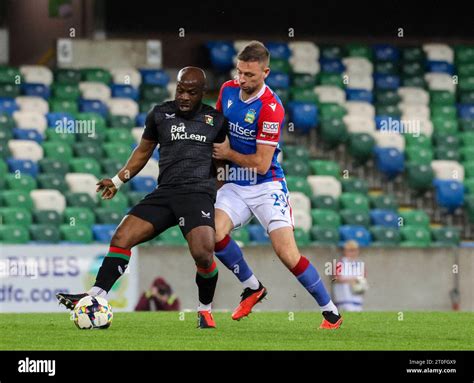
[{"x": 164, "y": 209}]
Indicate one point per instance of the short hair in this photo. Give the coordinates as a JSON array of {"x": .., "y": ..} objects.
[
  {"x": 255, "y": 51},
  {"x": 351, "y": 245}
]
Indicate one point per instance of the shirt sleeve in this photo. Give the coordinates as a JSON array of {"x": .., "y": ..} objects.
[
  {"x": 219, "y": 100},
  {"x": 269, "y": 124},
  {"x": 151, "y": 129},
  {"x": 222, "y": 131}
]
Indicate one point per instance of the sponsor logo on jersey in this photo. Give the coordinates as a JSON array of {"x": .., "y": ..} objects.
[
  {"x": 209, "y": 120},
  {"x": 241, "y": 132},
  {"x": 250, "y": 116},
  {"x": 178, "y": 132},
  {"x": 270, "y": 127}
]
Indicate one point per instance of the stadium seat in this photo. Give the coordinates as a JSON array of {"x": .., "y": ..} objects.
[
  {"x": 44, "y": 233},
  {"x": 16, "y": 198},
  {"x": 57, "y": 150},
  {"x": 304, "y": 116},
  {"x": 355, "y": 217},
  {"x": 66, "y": 92},
  {"x": 36, "y": 74},
  {"x": 20, "y": 182},
  {"x": 354, "y": 201},
  {"x": 383, "y": 201},
  {"x": 325, "y": 236},
  {"x": 172, "y": 237},
  {"x": 119, "y": 203},
  {"x": 25, "y": 150},
  {"x": 47, "y": 217},
  {"x": 390, "y": 161},
  {"x": 79, "y": 215},
  {"x": 419, "y": 176},
  {"x": 80, "y": 199},
  {"x": 15, "y": 215},
  {"x": 257, "y": 234},
  {"x": 93, "y": 106},
  {"x": 446, "y": 236},
  {"x": 324, "y": 202},
  {"x": 103, "y": 233},
  {"x": 123, "y": 107},
  {"x": 221, "y": 55},
  {"x": 332, "y": 100},
  {"x": 448, "y": 170},
  {"x": 302, "y": 237},
  {"x": 333, "y": 132},
  {"x": 48, "y": 199},
  {"x": 76, "y": 234},
  {"x": 90, "y": 149},
  {"x": 356, "y": 233},
  {"x": 82, "y": 183},
  {"x": 52, "y": 181},
  {"x": 361, "y": 146},
  {"x": 419, "y": 155},
  {"x": 302, "y": 219},
  {"x": 412, "y": 218},
  {"x": 296, "y": 167},
  {"x": 415, "y": 236},
  {"x": 381, "y": 217},
  {"x": 32, "y": 104},
  {"x": 27, "y": 134},
  {"x": 155, "y": 77},
  {"x": 36, "y": 90},
  {"x": 22, "y": 167},
  {"x": 53, "y": 166},
  {"x": 108, "y": 216},
  {"x": 67, "y": 76},
  {"x": 324, "y": 185},
  {"x": 15, "y": 234},
  {"x": 325, "y": 168},
  {"x": 385, "y": 236},
  {"x": 143, "y": 184},
  {"x": 354, "y": 185},
  {"x": 325, "y": 218},
  {"x": 449, "y": 194},
  {"x": 300, "y": 201},
  {"x": 85, "y": 165}
]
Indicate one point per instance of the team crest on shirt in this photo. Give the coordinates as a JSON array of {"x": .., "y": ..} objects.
[
  {"x": 250, "y": 116},
  {"x": 209, "y": 119}
]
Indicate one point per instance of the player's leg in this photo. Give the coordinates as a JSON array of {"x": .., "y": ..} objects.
[
  {"x": 131, "y": 231},
  {"x": 195, "y": 216},
  {"x": 232, "y": 211}
]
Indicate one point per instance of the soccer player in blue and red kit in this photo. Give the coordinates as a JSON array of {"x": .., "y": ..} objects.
[{"x": 256, "y": 184}]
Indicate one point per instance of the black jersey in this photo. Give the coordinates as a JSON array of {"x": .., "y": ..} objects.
[{"x": 185, "y": 146}]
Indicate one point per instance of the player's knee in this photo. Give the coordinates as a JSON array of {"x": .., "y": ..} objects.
[
  {"x": 121, "y": 239},
  {"x": 203, "y": 255},
  {"x": 221, "y": 231}
]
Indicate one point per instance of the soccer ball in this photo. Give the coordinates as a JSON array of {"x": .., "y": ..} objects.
[
  {"x": 360, "y": 285},
  {"x": 92, "y": 312}
]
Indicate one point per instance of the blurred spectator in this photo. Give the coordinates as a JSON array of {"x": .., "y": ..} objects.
[
  {"x": 159, "y": 297},
  {"x": 350, "y": 283}
]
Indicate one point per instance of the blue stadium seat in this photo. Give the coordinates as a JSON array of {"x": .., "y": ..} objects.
[
  {"x": 143, "y": 184},
  {"x": 93, "y": 106},
  {"x": 356, "y": 233},
  {"x": 103, "y": 233},
  {"x": 124, "y": 91},
  {"x": 140, "y": 119},
  {"x": 28, "y": 134},
  {"x": 466, "y": 111},
  {"x": 382, "y": 217},
  {"x": 155, "y": 77},
  {"x": 23, "y": 166},
  {"x": 38, "y": 90},
  {"x": 278, "y": 80},
  {"x": 390, "y": 161},
  {"x": 386, "y": 81},
  {"x": 279, "y": 50},
  {"x": 222, "y": 54},
  {"x": 449, "y": 193},
  {"x": 258, "y": 234},
  {"x": 359, "y": 95},
  {"x": 386, "y": 52},
  {"x": 440, "y": 67},
  {"x": 332, "y": 65},
  {"x": 386, "y": 122},
  {"x": 8, "y": 105},
  {"x": 303, "y": 115},
  {"x": 64, "y": 118}
]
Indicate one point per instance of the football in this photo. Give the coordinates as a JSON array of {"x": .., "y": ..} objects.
[
  {"x": 92, "y": 313},
  {"x": 360, "y": 285}
]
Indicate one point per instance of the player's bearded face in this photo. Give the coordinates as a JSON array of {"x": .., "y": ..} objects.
[{"x": 251, "y": 75}]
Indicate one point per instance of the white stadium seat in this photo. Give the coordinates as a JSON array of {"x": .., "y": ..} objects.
[
  {"x": 123, "y": 107},
  {"x": 25, "y": 150},
  {"x": 32, "y": 104},
  {"x": 82, "y": 183},
  {"x": 440, "y": 81},
  {"x": 357, "y": 124},
  {"x": 48, "y": 199},
  {"x": 439, "y": 52},
  {"x": 330, "y": 94},
  {"x": 30, "y": 120},
  {"x": 389, "y": 140},
  {"x": 412, "y": 95},
  {"x": 91, "y": 90},
  {"x": 151, "y": 169},
  {"x": 359, "y": 81},
  {"x": 358, "y": 65},
  {"x": 299, "y": 201},
  {"x": 304, "y": 49},
  {"x": 240, "y": 44},
  {"x": 414, "y": 110},
  {"x": 302, "y": 219},
  {"x": 360, "y": 108},
  {"x": 325, "y": 185},
  {"x": 137, "y": 133},
  {"x": 36, "y": 74},
  {"x": 448, "y": 170},
  {"x": 126, "y": 76},
  {"x": 305, "y": 65}
]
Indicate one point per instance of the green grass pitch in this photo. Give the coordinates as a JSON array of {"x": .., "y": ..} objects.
[{"x": 260, "y": 331}]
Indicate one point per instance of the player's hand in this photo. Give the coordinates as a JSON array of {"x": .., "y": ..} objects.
[
  {"x": 221, "y": 151},
  {"x": 107, "y": 187}
]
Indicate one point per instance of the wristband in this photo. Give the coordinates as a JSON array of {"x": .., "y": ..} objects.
[{"x": 117, "y": 182}]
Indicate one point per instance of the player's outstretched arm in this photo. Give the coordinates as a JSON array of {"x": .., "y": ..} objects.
[{"x": 135, "y": 163}]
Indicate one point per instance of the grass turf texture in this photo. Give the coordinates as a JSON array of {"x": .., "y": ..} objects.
[{"x": 261, "y": 331}]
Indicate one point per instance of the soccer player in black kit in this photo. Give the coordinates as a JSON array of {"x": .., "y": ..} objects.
[{"x": 185, "y": 129}]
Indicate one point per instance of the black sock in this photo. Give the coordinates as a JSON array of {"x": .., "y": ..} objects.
[
  {"x": 113, "y": 266},
  {"x": 206, "y": 280}
]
